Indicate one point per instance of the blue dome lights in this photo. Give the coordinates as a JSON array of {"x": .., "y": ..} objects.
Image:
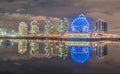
[
  {"x": 80, "y": 54},
  {"x": 80, "y": 24}
]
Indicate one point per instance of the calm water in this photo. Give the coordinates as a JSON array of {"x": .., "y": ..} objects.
[{"x": 59, "y": 57}]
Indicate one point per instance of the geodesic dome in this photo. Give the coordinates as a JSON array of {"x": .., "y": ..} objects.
[{"x": 80, "y": 24}]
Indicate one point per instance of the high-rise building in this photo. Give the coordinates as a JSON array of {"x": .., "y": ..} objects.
[
  {"x": 13, "y": 33},
  {"x": 105, "y": 26},
  {"x": 48, "y": 26},
  {"x": 23, "y": 30},
  {"x": 101, "y": 26},
  {"x": 3, "y": 31},
  {"x": 34, "y": 27}
]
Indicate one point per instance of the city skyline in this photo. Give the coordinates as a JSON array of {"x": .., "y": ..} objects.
[
  {"x": 59, "y": 36},
  {"x": 107, "y": 10}
]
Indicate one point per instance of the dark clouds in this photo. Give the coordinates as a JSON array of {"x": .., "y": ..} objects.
[
  {"x": 109, "y": 10},
  {"x": 68, "y": 6},
  {"x": 8, "y": 1}
]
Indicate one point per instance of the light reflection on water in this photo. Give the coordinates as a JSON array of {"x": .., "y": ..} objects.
[
  {"x": 79, "y": 52},
  {"x": 55, "y": 56}
]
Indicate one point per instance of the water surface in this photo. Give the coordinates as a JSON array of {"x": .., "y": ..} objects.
[{"x": 59, "y": 57}]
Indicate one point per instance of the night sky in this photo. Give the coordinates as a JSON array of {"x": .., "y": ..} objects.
[{"x": 13, "y": 12}]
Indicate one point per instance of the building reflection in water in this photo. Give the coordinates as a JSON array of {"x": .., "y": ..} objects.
[
  {"x": 55, "y": 47},
  {"x": 62, "y": 50},
  {"x": 34, "y": 48},
  {"x": 48, "y": 50},
  {"x": 79, "y": 51},
  {"x": 101, "y": 51},
  {"x": 22, "y": 46}
]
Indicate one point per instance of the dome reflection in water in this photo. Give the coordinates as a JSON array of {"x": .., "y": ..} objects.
[{"x": 79, "y": 54}]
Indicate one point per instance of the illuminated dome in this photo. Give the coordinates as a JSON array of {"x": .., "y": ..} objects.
[
  {"x": 80, "y": 54},
  {"x": 80, "y": 24}
]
